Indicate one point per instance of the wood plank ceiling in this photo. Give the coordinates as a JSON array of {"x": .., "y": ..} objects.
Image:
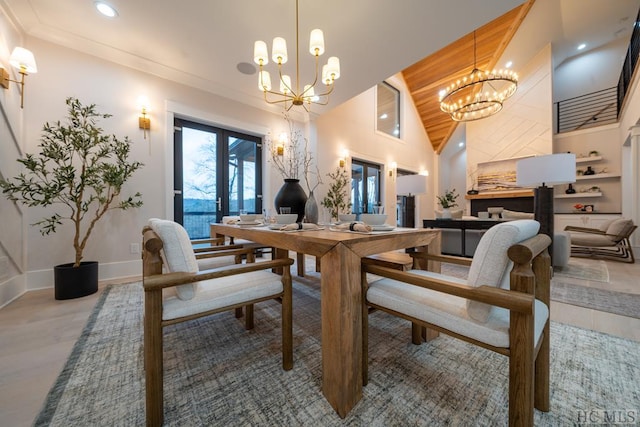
[{"x": 427, "y": 77}]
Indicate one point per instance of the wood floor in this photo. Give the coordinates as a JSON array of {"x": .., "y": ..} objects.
[{"x": 37, "y": 334}]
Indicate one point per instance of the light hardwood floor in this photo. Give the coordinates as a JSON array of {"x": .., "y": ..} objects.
[{"x": 37, "y": 334}]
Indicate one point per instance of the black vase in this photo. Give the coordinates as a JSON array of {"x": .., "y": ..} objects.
[
  {"x": 75, "y": 282},
  {"x": 291, "y": 195},
  {"x": 570, "y": 190}
]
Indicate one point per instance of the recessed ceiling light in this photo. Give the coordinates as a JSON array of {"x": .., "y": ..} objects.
[
  {"x": 383, "y": 116},
  {"x": 509, "y": 64},
  {"x": 581, "y": 46},
  {"x": 106, "y": 9},
  {"x": 461, "y": 144}
]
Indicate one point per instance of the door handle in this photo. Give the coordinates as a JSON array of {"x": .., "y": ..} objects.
[
  {"x": 219, "y": 203},
  {"x": 178, "y": 192}
]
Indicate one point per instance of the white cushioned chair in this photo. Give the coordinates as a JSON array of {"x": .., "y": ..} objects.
[
  {"x": 503, "y": 306},
  {"x": 182, "y": 292},
  {"x": 609, "y": 241}
]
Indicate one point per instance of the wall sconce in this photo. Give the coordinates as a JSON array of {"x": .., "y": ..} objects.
[
  {"x": 144, "y": 122},
  {"x": 280, "y": 145},
  {"x": 342, "y": 160},
  {"x": 23, "y": 60},
  {"x": 392, "y": 169}
]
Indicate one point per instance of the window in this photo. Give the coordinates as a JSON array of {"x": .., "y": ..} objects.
[
  {"x": 365, "y": 186},
  {"x": 216, "y": 172},
  {"x": 388, "y": 109}
]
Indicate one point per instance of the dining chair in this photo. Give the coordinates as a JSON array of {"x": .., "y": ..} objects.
[
  {"x": 175, "y": 290},
  {"x": 502, "y": 306}
]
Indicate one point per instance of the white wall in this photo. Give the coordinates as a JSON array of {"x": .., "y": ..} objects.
[
  {"x": 12, "y": 221},
  {"x": 595, "y": 70},
  {"x": 115, "y": 89},
  {"x": 351, "y": 126}
]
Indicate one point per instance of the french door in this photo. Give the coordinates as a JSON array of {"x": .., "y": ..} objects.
[
  {"x": 217, "y": 172},
  {"x": 365, "y": 186}
]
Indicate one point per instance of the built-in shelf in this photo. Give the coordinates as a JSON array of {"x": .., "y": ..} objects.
[
  {"x": 588, "y": 159},
  {"x": 578, "y": 195},
  {"x": 500, "y": 194},
  {"x": 596, "y": 176}
]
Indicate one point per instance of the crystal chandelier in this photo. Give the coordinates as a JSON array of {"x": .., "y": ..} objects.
[
  {"x": 290, "y": 94},
  {"x": 479, "y": 95}
]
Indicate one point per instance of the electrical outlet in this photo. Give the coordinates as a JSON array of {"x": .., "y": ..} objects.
[{"x": 134, "y": 248}]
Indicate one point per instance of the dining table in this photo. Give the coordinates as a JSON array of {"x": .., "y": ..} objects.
[{"x": 340, "y": 253}]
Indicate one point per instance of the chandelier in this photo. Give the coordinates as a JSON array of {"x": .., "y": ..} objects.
[
  {"x": 290, "y": 94},
  {"x": 479, "y": 95}
]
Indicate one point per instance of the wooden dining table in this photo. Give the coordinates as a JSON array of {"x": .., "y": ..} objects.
[{"x": 341, "y": 296}]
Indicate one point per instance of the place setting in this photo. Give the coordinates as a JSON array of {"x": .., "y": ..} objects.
[
  {"x": 286, "y": 221},
  {"x": 369, "y": 223}
]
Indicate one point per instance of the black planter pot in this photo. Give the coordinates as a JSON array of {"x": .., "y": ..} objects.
[
  {"x": 75, "y": 282},
  {"x": 291, "y": 195}
]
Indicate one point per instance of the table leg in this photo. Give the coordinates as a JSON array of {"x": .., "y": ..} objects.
[
  {"x": 464, "y": 242},
  {"x": 341, "y": 305}
]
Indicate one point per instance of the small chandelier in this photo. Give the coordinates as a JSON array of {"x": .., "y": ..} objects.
[
  {"x": 479, "y": 95},
  {"x": 289, "y": 94}
]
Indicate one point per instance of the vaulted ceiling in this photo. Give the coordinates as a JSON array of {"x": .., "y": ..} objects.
[{"x": 427, "y": 77}]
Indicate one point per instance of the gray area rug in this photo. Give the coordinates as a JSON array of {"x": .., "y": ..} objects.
[
  {"x": 218, "y": 374},
  {"x": 621, "y": 303},
  {"x": 584, "y": 269}
]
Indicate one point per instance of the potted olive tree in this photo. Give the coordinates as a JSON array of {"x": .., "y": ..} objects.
[{"x": 80, "y": 171}]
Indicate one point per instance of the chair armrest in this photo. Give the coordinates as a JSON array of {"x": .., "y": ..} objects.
[
  {"x": 224, "y": 250},
  {"x": 211, "y": 241},
  {"x": 583, "y": 229},
  {"x": 511, "y": 300},
  {"x": 450, "y": 259},
  {"x": 161, "y": 281}
]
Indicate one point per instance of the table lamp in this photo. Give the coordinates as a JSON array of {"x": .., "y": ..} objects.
[
  {"x": 411, "y": 185},
  {"x": 545, "y": 172}
]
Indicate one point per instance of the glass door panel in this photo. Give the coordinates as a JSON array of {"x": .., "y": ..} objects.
[{"x": 217, "y": 172}]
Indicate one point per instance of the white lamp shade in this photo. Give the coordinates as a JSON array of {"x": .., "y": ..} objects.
[
  {"x": 279, "y": 51},
  {"x": 264, "y": 80},
  {"x": 316, "y": 41},
  {"x": 550, "y": 170},
  {"x": 23, "y": 60},
  {"x": 260, "y": 53},
  {"x": 285, "y": 84},
  {"x": 411, "y": 184},
  {"x": 333, "y": 67}
]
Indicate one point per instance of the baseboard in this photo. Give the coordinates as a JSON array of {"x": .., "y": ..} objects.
[
  {"x": 43, "y": 279},
  {"x": 12, "y": 289}
]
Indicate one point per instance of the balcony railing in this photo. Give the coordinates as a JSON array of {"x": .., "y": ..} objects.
[
  {"x": 602, "y": 107},
  {"x": 197, "y": 224},
  {"x": 594, "y": 109}
]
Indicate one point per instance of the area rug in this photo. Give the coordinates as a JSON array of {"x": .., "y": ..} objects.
[
  {"x": 621, "y": 303},
  {"x": 216, "y": 373},
  {"x": 584, "y": 269}
]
